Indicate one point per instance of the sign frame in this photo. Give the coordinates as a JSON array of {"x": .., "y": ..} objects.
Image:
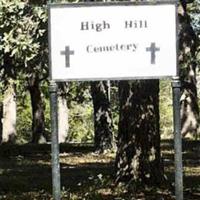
[{"x": 107, "y": 4}]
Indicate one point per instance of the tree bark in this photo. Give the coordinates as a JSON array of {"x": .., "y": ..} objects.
[
  {"x": 187, "y": 60},
  {"x": 9, "y": 113},
  {"x": 103, "y": 136},
  {"x": 38, "y": 120},
  {"x": 138, "y": 156},
  {"x": 63, "y": 114}
]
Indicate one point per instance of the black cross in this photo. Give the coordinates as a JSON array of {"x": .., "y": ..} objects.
[
  {"x": 67, "y": 52},
  {"x": 153, "y": 50}
]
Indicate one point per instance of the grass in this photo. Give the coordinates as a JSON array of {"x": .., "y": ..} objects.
[{"x": 25, "y": 173}]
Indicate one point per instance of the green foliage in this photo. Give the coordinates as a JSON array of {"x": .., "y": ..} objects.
[
  {"x": 25, "y": 53},
  {"x": 80, "y": 113},
  {"x": 24, "y": 41},
  {"x": 24, "y": 119},
  {"x": 166, "y": 109},
  {"x": 81, "y": 128},
  {"x": 81, "y": 123},
  {"x": 21, "y": 31},
  {"x": 194, "y": 12}
]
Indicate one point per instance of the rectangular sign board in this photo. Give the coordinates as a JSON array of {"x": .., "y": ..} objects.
[{"x": 112, "y": 41}]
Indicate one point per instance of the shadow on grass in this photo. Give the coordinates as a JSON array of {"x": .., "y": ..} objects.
[
  {"x": 19, "y": 174},
  {"x": 30, "y": 171},
  {"x": 191, "y": 166},
  {"x": 7, "y": 150}
]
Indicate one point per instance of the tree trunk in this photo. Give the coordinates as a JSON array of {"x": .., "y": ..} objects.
[
  {"x": 38, "y": 121},
  {"x": 103, "y": 136},
  {"x": 9, "y": 113},
  {"x": 138, "y": 156},
  {"x": 63, "y": 124},
  {"x": 187, "y": 60}
]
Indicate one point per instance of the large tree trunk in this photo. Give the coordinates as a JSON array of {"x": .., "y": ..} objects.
[
  {"x": 63, "y": 123},
  {"x": 138, "y": 156},
  {"x": 187, "y": 59},
  {"x": 9, "y": 113},
  {"x": 38, "y": 120},
  {"x": 103, "y": 136}
]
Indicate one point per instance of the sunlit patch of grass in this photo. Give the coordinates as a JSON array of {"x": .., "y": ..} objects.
[
  {"x": 192, "y": 171},
  {"x": 79, "y": 158}
]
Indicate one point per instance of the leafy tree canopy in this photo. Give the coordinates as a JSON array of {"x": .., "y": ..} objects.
[{"x": 24, "y": 38}]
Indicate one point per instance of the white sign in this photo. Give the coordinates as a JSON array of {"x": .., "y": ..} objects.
[{"x": 124, "y": 41}]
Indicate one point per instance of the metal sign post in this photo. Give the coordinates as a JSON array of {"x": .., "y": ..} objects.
[
  {"x": 54, "y": 141},
  {"x": 176, "y": 88},
  {"x": 56, "y": 185}
]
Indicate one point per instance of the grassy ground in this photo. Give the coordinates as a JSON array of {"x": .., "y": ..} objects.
[{"x": 25, "y": 174}]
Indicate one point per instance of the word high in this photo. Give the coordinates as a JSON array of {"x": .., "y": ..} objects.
[{"x": 86, "y": 26}]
